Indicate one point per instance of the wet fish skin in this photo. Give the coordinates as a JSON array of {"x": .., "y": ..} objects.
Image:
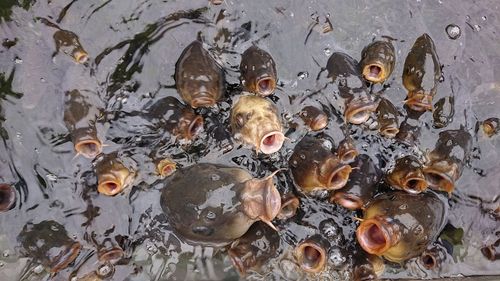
[
  {"x": 344, "y": 71},
  {"x": 399, "y": 226},
  {"x": 48, "y": 242},
  {"x": 254, "y": 249},
  {"x": 255, "y": 121},
  {"x": 387, "y": 116},
  {"x": 79, "y": 117},
  {"x": 491, "y": 126},
  {"x": 446, "y": 161},
  {"x": 177, "y": 118},
  {"x": 377, "y": 61},
  {"x": 112, "y": 176},
  {"x": 212, "y": 205},
  {"x": 198, "y": 77},
  {"x": 258, "y": 71},
  {"x": 313, "y": 117},
  {"x": 362, "y": 184},
  {"x": 408, "y": 175},
  {"x": 69, "y": 43},
  {"x": 315, "y": 168},
  {"x": 421, "y": 74}
]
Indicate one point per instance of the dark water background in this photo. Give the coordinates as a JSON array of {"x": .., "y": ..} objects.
[{"x": 133, "y": 47}]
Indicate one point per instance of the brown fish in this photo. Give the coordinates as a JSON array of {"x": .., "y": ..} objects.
[
  {"x": 255, "y": 121},
  {"x": 399, "y": 225},
  {"x": 258, "y": 71},
  {"x": 165, "y": 167},
  {"x": 388, "y": 123},
  {"x": 492, "y": 252},
  {"x": 362, "y": 184},
  {"x": 491, "y": 126},
  {"x": 421, "y": 74},
  {"x": 315, "y": 168},
  {"x": 212, "y": 205},
  {"x": 7, "y": 197},
  {"x": 68, "y": 42},
  {"x": 408, "y": 175},
  {"x": 377, "y": 61},
  {"x": 198, "y": 77},
  {"x": 48, "y": 243},
  {"x": 358, "y": 104},
  {"x": 79, "y": 116},
  {"x": 254, "y": 249},
  {"x": 177, "y": 118},
  {"x": 313, "y": 117},
  {"x": 289, "y": 205},
  {"x": 311, "y": 253},
  {"x": 112, "y": 176},
  {"x": 446, "y": 162},
  {"x": 367, "y": 267},
  {"x": 433, "y": 257},
  {"x": 346, "y": 151}
]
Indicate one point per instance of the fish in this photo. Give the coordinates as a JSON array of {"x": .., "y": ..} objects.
[
  {"x": 408, "y": 175},
  {"x": 255, "y": 248},
  {"x": 212, "y": 204},
  {"x": 198, "y": 77},
  {"x": 362, "y": 184},
  {"x": 258, "y": 71},
  {"x": 48, "y": 242},
  {"x": 446, "y": 161},
  {"x": 255, "y": 121},
  {"x": 112, "y": 176},
  {"x": 289, "y": 206},
  {"x": 358, "y": 104},
  {"x": 7, "y": 197},
  {"x": 165, "y": 167},
  {"x": 377, "y": 61},
  {"x": 311, "y": 253},
  {"x": 399, "y": 226},
  {"x": 68, "y": 42},
  {"x": 346, "y": 150},
  {"x": 366, "y": 267},
  {"x": 421, "y": 74},
  {"x": 491, "y": 126},
  {"x": 387, "y": 117},
  {"x": 433, "y": 257},
  {"x": 80, "y": 115},
  {"x": 314, "y": 118},
  {"x": 314, "y": 167}
]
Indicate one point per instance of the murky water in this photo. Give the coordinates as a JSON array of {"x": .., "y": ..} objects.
[{"x": 133, "y": 47}]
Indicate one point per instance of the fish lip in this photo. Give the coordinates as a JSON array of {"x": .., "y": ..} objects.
[
  {"x": 166, "y": 167},
  {"x": 111, "y": 184},
  {"x": 358, "y": 111},
  {"x": 419, "y": 101},
  {"x": 80, "y": 56},
  {"x": 272, "y": 199},
  {"x": 67, "y": 256},
  {"x": 320, "y": 122},
  {"x": 261, "y": 200},
  {"x": 348, "y": 201},
  {"x": 89, "y": 148},
  {"x": 8, "y": 197},
  {"x": 300, "y": 255},
  {"x": 381, "y": 77},
  {"x": 202, "y": 99},
  {"x": 195, "y": 127},
  {"x": 338, "y": 177},
  {"x": 389, "y": 131},
  {"x": 446, "y": 180},
  {"x": 269, "y": 90},
  {"x": 110, "y": 255},
  {"x": 383, "y": 231},
  {"x": 277, "y": 142},
  {"x": 288, "y": 208}
]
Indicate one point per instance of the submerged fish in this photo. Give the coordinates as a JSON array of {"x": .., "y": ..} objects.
[
  {"x": 258, "y": 71},
  {"x": 79, "y": 116},
  {"x": 314, "y": 167},
  {"x": 213, "y": 205},
  {"x": 198, "y": 77},
  {"x": 358, "y": 104},
  {"x": 112, "y": 176},
  {"x": 421, "y": 74},
  {"x": 387, "y": 114},
  {"x": 313, "y": 117},
  {"x": 399, "y": 226},
  {"x": 377, "y": 61},
  {"x": 408, "y": 175},
  {"x": 68, "y": 42}
]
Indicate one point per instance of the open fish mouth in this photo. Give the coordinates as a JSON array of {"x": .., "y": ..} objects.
[
  {"x": 419, "y": 101},
  {"x": 89, "y": 148},
  {"x": 271, "y": 142},
  {"x": 202, "y": 99},
  {"x": 358, "y": 111},
  {"x": 374, "y": 72},
  {"x": 265, "y": 86},
  {"x": 348, "y": 201}
]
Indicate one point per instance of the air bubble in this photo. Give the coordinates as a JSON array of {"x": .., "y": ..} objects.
[
  {"x": 303, "y": 75},
  {"x": 453, "y": 31},
  {"x": 327, "y": 51},
  {"x": 214, "y": 177}
]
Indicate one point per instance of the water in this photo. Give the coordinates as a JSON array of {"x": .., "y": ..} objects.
[{"x": 133, "y": 47}]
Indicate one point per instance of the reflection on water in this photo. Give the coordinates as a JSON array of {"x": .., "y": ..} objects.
[{"x": 132, "y": 48}]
